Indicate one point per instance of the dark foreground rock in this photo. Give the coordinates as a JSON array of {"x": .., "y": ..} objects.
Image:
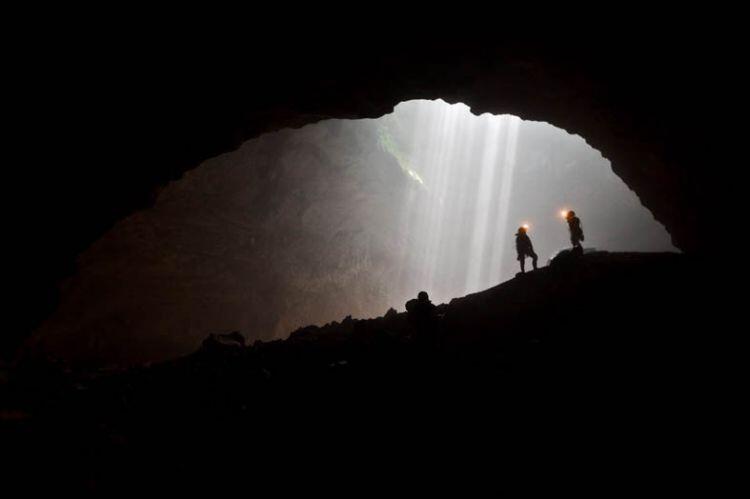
[{"x": 603, "y": 360}]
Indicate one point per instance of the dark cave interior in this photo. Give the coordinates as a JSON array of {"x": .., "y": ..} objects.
[
  {"x": 144, "y": 123},
  {"x": 110, "y": 117}
]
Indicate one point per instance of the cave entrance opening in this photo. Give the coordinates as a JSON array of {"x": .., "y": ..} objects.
[
  {"x": 342, "y": 217},
  {"x": 474, "y": 180}
]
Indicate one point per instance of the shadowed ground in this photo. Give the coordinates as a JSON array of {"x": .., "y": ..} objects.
[{"x": 611, "y": 355}]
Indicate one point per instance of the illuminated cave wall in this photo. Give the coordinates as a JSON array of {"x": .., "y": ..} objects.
[{"x": 334, "y": 219}]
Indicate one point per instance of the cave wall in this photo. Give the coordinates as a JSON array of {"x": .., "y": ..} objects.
[
  {"x": 295, "y": 227},
  {"x": 156, "y": 109},
  {"x": 343, "y": 217}
]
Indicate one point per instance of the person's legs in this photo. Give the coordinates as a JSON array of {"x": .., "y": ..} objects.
[
  {"x": 522, "y": 261},
  {"x": 576, "y": 239},
  {"x": 533, "y": 260}
]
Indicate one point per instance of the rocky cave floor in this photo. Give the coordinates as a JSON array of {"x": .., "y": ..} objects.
[{"x": 608, "y": 345}]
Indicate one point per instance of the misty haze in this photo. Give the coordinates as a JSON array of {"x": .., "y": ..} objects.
[{"x": 342, "y": 217}]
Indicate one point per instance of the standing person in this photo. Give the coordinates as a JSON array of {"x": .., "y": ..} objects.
[
  {"x": 422, "y": 314},
  {"x": 524, "y": 248},
  {"x": 576, "y": 233}
]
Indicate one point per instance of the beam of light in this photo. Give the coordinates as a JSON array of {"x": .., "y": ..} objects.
[
  {"x": 488, "y": 168},
  {"x": 502, "y": 229},
  {"x": 445, "y": 166},
  {"x": 421, "y": 153},
  {"x": 456, "y": 227},
  {"x": 464, "y": 186},
  {"x": 408, "y": 222}
]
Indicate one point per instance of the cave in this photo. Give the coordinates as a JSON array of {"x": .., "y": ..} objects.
[
  {"x": 342, "y": 217},
  {"x": 109, "y": 161},
  {"x": 118, "y": 127}
]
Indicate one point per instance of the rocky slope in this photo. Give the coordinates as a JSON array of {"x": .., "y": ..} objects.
[{"x": 607, "y": 353}]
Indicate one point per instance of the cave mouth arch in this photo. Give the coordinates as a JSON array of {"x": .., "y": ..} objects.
[
  {"x": 337, "y": 218},
  {"x": 486, "y": 175}
]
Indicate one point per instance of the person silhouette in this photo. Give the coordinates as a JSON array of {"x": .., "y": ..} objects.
[
  {"x": 576, "y": 233},
  {"x": 422, "y": 315},
  {"x": 524, "y": 248}
]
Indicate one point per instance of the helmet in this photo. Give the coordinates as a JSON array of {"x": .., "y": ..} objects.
[{"x": 423, "y": 296}]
